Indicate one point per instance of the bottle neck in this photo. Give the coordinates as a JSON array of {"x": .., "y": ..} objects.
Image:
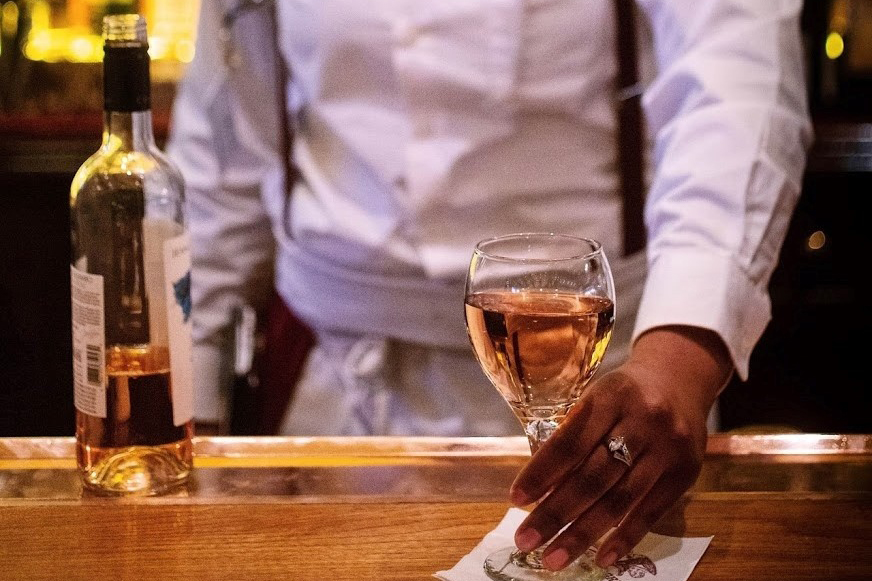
[
  {"x": 129, "y": 130},
  {"x": 127, "y": 96}
]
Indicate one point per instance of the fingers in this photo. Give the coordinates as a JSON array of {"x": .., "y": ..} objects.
[
  {"x": 578, "y": 436},
  {"x": 584, "y": 490},
  {"x": 630, "y": 506},
  {"x": 606, "y": 513},
  {"x": 638, "y": 522},
  {"x": 573, "y": 496}
]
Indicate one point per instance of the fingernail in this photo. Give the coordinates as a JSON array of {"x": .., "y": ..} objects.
[
  {"x": 607, "y": 560},
  {"x": 519, "y": 497},
  {"x": 528, "y": 539},
  {"x": 557, "y": 559}
]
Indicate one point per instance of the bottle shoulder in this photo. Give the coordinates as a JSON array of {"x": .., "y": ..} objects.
[
  {"x": 111, "y": 158},
  {"x": 112, "y": 167},
  {"x": 166, "y": 164}
]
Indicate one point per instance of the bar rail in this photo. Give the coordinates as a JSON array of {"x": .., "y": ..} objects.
[{"x": 777, "y": 506}]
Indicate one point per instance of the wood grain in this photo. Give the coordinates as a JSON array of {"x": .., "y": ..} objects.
[
  {"x": 403, "y": 509},
  {"x": 764, "y": 536}
]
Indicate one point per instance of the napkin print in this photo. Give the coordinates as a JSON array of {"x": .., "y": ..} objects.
[{"x": 655, "y": 558}]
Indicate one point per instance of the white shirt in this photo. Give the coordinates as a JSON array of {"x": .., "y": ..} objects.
[{"x": 424, "y": 127}]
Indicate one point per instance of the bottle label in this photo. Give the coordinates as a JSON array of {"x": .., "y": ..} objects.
[
  {"x": 177, "y": 274},
  {"x": 89, "y": 343}
]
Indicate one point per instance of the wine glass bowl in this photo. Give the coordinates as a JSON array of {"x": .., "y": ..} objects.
[{"x": 539, "y": 308}]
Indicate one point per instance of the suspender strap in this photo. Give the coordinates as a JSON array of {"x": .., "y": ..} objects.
[
  {"x": 286, "y": 138},
  {"x": 630, "y": 130},
  {"x": 270, "y": 24}
]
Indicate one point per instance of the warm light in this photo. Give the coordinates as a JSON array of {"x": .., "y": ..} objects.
[
  {"x": 184, "y": 50},
  {"x": 63, "y": 44},
  {"x": 835, "y": 45},
  {"x": 38, "y": 45},
  {"x": 9, "y": 18},
  {"x": 84, "y": 49},
  {"x": 157, "y": 47},
  {"x": 40, "y": 15},
  {"x": 172, "y": 30},
  {"x": 817, "y": 240}
]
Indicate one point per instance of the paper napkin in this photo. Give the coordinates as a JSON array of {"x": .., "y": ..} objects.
[{"x": 656, "y": 557}]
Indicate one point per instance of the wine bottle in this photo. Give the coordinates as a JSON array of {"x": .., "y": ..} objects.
[{"x": 130, "y": 286}]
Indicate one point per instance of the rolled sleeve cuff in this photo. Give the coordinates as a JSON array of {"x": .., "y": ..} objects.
[{"x": 696, "y": 288}]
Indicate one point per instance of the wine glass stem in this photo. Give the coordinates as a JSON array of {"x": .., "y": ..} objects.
[
  {"x": 538, "y": 431},
  {"x": 529, "y": 559}
]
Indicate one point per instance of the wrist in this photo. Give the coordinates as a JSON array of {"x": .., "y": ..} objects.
[{"x": 695, "y": 359}]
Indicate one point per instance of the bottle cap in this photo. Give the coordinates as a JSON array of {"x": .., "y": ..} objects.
[{"x": 124, "y": 29}]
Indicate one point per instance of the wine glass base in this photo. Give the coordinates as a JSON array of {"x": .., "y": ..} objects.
[{"x": 509, "y": 564}]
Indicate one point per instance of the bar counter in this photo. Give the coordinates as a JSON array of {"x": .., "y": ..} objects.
[{"x": 785, "y": 506}]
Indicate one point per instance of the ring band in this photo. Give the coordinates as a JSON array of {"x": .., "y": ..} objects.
[{"x": 619, "y": 450}]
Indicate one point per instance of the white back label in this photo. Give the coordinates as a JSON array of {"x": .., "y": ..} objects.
[{"x": 89, "y": 343}]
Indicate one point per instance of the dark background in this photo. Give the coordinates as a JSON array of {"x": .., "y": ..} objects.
[{"x": 806, "y": 373}]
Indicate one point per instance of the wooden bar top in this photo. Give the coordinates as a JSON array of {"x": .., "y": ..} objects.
[{"x": 787, "y": 507}]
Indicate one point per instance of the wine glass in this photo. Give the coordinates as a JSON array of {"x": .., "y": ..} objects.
[{"x": 539, "y": 310}]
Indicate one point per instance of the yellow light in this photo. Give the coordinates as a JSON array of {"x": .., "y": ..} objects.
[
  {"x": 817, "y": 240},
  {"x": 84, "y": 49},
  {"x": 9, "y": 17},
  {"x": 157, "y": 47},
  {"x": 172, "y": 40},
  {"x": 835, "y": 45},
  {"x": 38, "y": 45},
  {"x": 40, "y": 15},
  {"x": 184, "y": 50}
]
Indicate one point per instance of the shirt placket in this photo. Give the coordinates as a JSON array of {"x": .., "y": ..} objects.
[{"x": 456, "y": 65}]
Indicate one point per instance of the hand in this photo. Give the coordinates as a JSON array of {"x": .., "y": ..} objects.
[{"x": 659, "y": 401}]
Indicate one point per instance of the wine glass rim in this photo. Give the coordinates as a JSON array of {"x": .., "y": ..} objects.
[{"x": 595, "y": 246}]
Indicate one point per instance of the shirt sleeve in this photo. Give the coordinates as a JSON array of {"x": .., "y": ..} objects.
[
  {"x": 728, "y": 115},
  {"x": 231, "y": 240}
]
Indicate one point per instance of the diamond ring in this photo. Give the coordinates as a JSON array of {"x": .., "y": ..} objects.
[{"x": 619, "y": 450}]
